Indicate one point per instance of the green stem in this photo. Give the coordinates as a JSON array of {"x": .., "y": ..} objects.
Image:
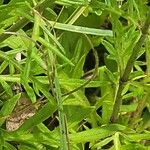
[
  {"x": 56, "y": 91},
  {"x": 148, "y": 55},
  {"x": 128, "y": 69},
  {"x": 64, "y": 140},
  {"x": 118, "y": 103},
  {"x": 136, "y": 49}
]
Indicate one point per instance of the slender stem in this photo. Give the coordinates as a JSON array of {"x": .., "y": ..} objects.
[
  {"x": 64, "y": 140},
  {"x": 56, "y": 91},
  {"x": 136, "y": 49},
  {"x": 128, "y": 69},
  {"x": 147, "y": 46},
  {"x": 118, "y": 103}
]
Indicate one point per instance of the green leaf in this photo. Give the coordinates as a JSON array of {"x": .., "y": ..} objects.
[
  {"x": 78, "y": 50},
  {"x": 8, "y": 107},
  {"x": 76, "y": 113},
  {"x": 6, "y": 57},
  {"x": 1, "y": 140},
  {"x": 110, "y": 48},
  {"x": 108, "y": 99},
  {"x": 78, "y": 70},
  {"x": 55, "y": 50},
  {"x": 9, "y": 146},
  {"x": 138, "y": 137},
  {"x": 70, "y": 2},
  {"x": 117, "y": 143},
  {"x": 80, "y": 29},
  {"x": 45, "y": 90},
  {"x": 29, "y": 91},
  {"x": 96, "y": 133},
  {"x": 53, "y": 38},
  {"x": 135, "y": 146},
  {"x": 102, "y": 143},
  {"x": 3, "y": 66},
  {"x": 37, "y": 58},
  {"x": 7, "y": 88},
  {"x": 129, "y": 108},
  {"x": 45, "y": 112}
]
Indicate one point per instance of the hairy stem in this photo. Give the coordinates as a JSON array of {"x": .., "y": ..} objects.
[{"x": 129, "y": 66}]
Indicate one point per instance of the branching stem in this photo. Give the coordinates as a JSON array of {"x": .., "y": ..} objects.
[{"x": 124, "y": 78}]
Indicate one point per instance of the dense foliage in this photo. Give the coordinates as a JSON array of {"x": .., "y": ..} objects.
[{"x": 74, "y": 74}]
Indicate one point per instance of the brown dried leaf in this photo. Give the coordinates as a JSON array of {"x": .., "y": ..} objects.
[{"x": 23, "y": 111}]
